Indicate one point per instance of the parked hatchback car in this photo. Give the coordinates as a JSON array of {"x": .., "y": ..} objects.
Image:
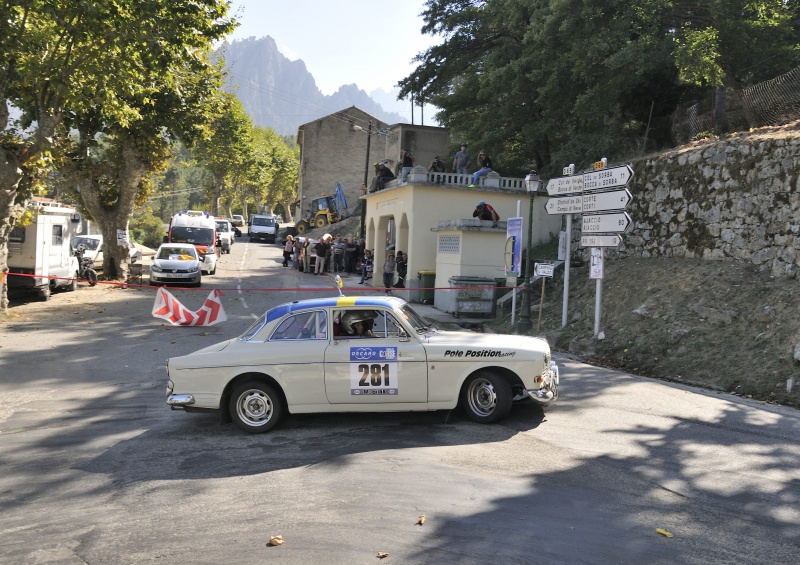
[
  {"x": 358, "y": 354},
  {"x": 237, "y": 220},
  {"x": 176, "y": 263}
]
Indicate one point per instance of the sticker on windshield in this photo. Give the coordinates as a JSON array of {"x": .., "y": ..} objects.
[{"x": 373, "y": 371}]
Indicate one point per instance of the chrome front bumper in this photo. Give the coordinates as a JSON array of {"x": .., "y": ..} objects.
[
  {"x": 549, "y": 392},
  {"x": 180, "y": 400}
]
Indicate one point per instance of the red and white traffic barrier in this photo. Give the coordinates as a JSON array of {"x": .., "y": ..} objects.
[{"x": 169, "y": 308}]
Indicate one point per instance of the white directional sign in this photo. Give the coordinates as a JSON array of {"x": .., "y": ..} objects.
[
  {"x": 605, "y": 223},
  {"x": 564, "y": 205},
  {"x": 607, "y": 178},
  {"x": 565, "y": 185},
  {"x": 600, "y": 240},
  {"x": 606, "y": 201},
  {"x": 543, "y": 269}
]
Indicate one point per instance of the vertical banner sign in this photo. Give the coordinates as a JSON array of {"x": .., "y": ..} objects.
[
  {"x": 514, "y": 233},
  {"x": 373, "y": 370},
  {"x": 596, "y": 266}
]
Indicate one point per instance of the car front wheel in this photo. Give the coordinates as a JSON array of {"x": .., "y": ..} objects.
[
  {"x": 256, "y": 407},
  {"x": 486, "y": 397}
]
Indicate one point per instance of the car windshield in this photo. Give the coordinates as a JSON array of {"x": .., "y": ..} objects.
[
  {"x": 197, "y": 236},
  {"x": 254, "y": 328},
  {"x": 263, "y": 221},
  {"x": 420, "y": 324},
  {"x": 223, "y": 226},
  {"x": 177, "y": 253},
  {"x": 90, "y": 243}
]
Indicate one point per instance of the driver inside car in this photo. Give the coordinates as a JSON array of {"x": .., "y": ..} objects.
[{"x": 358, "y": 324}]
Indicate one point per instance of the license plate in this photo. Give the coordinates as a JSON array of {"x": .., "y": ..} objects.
[{"x": 172, "y": 275}]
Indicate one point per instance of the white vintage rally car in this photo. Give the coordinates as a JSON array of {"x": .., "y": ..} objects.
[{"x": 358, "y": 354}]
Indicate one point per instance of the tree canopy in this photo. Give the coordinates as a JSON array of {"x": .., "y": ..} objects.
[
  {"x": 106, "y": 67},
  {"x": 542, "y": 83}
]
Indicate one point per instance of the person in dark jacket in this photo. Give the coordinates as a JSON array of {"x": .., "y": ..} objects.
[
  {"x": 384, "y": 175},
  {"x": 402, "y": 270},
  {"x": 322, "y": 247},
  {"x": 484, "y": 211}
]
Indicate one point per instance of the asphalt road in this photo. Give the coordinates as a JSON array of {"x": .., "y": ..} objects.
[{"x": 94, "y": 468}]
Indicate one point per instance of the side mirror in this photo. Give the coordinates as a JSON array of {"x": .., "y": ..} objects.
[
  {"x": 165, "y": 240},
  {"x": 202, "y": 258}
]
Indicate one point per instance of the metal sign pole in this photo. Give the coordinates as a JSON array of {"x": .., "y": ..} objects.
[
  {"x": 565, "y": 301},
  {"x": 598, "y": 300}
]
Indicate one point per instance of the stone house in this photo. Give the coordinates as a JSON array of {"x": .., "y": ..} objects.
[{"x": 334, "y": 149}]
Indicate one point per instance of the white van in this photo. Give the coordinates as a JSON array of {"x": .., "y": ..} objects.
[
  {"x": 42, "y": 249},
  {"x": 199, "y": 229},
  {"x": 262, "y": 227}
]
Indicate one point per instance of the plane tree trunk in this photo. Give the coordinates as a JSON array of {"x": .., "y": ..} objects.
[{"x": 114, "y": 218}]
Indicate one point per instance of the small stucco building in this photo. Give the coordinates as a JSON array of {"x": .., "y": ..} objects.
[{"x": 429, "y": 217}]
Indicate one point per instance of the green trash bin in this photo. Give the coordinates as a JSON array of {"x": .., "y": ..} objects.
[{"x": 427, "y": 280}]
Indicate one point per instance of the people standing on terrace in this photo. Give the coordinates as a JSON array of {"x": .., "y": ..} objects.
[
  {"x": 462, "y": 160},
  {"x": 486, "y": 168},
  {"x": 408, "y": 163}
]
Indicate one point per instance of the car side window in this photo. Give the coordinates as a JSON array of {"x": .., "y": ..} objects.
[
  {"x": 302, "y": 326},
  {"x": 387, "y": 326}
]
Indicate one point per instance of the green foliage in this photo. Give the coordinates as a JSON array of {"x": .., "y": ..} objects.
[
  {"x": 147, "y": 229},
  {"x": 544, "y": 83}
]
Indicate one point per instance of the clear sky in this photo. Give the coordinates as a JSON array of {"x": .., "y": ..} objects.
[{"x": 367, "y": 42}]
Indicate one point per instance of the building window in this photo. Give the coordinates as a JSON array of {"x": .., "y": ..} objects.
[
  {"x": 449, "y": 244},
  {"x": 58, "y": 238}
]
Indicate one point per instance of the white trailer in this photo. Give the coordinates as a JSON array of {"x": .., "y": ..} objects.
[{"x": 40, "y": 254}]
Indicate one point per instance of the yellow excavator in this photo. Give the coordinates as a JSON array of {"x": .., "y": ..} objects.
[{"x": 324, "y": 210}]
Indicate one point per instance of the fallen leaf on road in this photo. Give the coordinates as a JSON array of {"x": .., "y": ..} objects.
[
  {"x": 276, "y": 540},
  {"x": 663, "y": 532},
  {"x": 421, "y": 520},
  {"x": 382, "y": 554}
]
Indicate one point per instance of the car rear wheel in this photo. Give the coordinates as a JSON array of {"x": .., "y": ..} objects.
[
  {"x": 486, "y": 397},
  {"x": 256, "y": 407},
  {"x": 73, "y": 284}
]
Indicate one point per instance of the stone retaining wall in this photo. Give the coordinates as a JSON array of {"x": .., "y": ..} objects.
[{"x": 736, "y": 198}]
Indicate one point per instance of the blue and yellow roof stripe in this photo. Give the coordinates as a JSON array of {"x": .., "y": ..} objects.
[{"x": 338, "y": 301}]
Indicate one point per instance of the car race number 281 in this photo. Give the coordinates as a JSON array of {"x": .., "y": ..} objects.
[{"x": 373, "y": 370}]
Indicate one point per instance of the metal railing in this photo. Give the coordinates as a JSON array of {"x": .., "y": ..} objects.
[{"x": 725, "y": 110}]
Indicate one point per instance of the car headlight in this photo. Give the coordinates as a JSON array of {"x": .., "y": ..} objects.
[
  {"x": 194, "y": 269},
  {"x": 155, "y": 269}
]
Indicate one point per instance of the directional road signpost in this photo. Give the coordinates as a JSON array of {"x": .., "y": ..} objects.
[
  {"x": 602, "y": 190},
  {"x": 607, "y": 178},
  {"x": 600, "y": 240},
  {"x": 606, "y": 223},
  {"x": 565, "y": 185},
  {"x": 605, "y": 201},
  {"x": 565, "y": 205}
]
